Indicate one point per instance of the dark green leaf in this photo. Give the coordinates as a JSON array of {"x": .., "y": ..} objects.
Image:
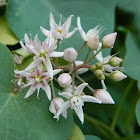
[{"x": 90, "y": 137}]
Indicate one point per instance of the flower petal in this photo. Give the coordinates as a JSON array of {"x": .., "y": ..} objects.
[
  {"x": 26, "y": 38},
  {"x": 62, "y": 109},
  {"x": 66, "y": 95},
  {"x": 80, "y": 114},
  {"x": 52, "y": 21},
  {"x": 56, "y": 71},
  {"x": 44, "y": 31},
  {"x": 80, "y": 88},
  {"x": 32, "y": 65},
  {"x": 56, "y": 54},
  {"x": 71, "y": 33},
  {"x": 82, "y": 33},
  {"x": 49, "y": 67},
  {"x": 87, "y": 98},
  {"x": 30, "y": 91},
  {"x": 48, "y": 91}
]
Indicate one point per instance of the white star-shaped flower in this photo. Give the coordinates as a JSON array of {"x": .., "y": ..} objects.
[
  {"x": 37, "y": 80},
  {"x": 42, "y": 53},
  {"x": 59, "y": 31},
  {"x": 95, "y": 32},
  {"x": 76, "y": 101}
]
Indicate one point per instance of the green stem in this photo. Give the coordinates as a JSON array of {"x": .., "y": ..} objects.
[
  {"x": 129, "y": 138},
  {"x": 103, "y": 128},
  {"x": 95, "y": 55},
  {"x": 82, "y": 47},
  {"x": 53, "y": 89},
  {"x": 58, "y": 44},
  {"x": 87, "y": 56},
  {"x": 121, "y": 103}
]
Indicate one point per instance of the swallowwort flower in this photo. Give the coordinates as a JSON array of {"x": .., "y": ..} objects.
[{"x": 76, "y": 101}]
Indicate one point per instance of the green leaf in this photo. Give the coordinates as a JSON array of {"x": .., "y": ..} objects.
[
  {"x": 91, "y": 12},
  {"x": 131, "y": 62},
  {"x": 90, "y": 137},
  {"x": 138, "y": 112},
  {"x": 26, "y": 118},
  {"x": 76, "y": 133},
  {"x": 6, "y": 35}
]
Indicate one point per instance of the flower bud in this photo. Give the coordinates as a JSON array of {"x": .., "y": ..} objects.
[
  {"x": 99, "y": 74},
  {"x": 70, "y": 54},
  {"x": 93, "y": 68},
  {"x": 99, "y": 65},
  {"x": 17, "y": 59},
  {"x": 93, "y": 43},
  {"x": 55, "y": 105},
  {"x": 81, "y": 70},
  {"x": 115, "y": 61},
  {"x": 104, "y": 96},
  {"x": 117, "y": 76},
  {"x": 109, "y": 40},
  {"x": 64, "y": 80}
]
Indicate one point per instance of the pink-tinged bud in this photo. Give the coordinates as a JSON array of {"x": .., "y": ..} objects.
[
  {"x": 64, "y": 80},
  {"x": 104, "y": 96},
  {"x": 109, "y": 40},
  {"x": 117, "y": 76},
  {"x": 93, "y": 43},
  {"x": 70, "y": 54},
  {"x": 81, "y": 70},
  {"x": 55, "y": 105},
  {"x": 115, "y": 61}
]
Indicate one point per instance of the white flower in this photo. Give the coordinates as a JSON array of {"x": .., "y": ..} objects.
[
  {"x": 55, "y": 105},
  {"x": 59, "y": 31},
  {"x": 95, "y": 32},
  {"x": 38, "y": 80},
  {"x": 42, "y": 53},
  {"x": 76, "y": 101}
]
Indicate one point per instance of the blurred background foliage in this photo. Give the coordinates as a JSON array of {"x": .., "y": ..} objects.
[{"x": 107, "y": 122}]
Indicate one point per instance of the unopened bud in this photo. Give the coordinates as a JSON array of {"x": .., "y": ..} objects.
[
  {"x": 81, "y": 70},
  {"x": 109, "y": 40},
  {"x": 55, "y": 105},
  {"x": 70, "y": 54},
  {"x": 115, "y": 61},
  {"x": 117, "y": 76},
  {"x": 93, "y": 43},
  {"x": 93, "y": 68},
  {"x": 99, "y": 74},
  {"x": 99, "y": 65},
  {"x": 64, "y": 80},
  {"x": 104, "y": 96}
]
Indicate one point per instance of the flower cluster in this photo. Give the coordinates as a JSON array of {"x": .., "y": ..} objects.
[{"x": 40, "y": 73}]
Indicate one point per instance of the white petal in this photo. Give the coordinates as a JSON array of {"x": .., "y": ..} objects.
[
  {"x": 23, "y": 46},
  {"x": 56, "y": 54},
  {"x": 80, "y": 88},
  {"x": 52, "y": 108},
  {"x": 108, "y": 68},
  {"x": 62, "y": 109},
  {"x": 52, "y": 21},
  {"x": 38, "y": 89},
  {"x": 44, "y": 31},
  {"x": 66, "y": 95},
  {"x": 49, "y": 67},
  {"x": 103, "y": 84},
  {"x": 56, "y": 71},
  {"x": 82, "y": 33},
  {"x": 71, "y": 33},
  {"x": 26, "y": 38},
  {"x": 48, "y": 91},
  {"x": 40, "y": 66},
  {"x": 80, "y": 114},
  {"x": 30, "y": 91},
  {"x": 32, "y": 65},
  {"x": 87, "y": 98}
]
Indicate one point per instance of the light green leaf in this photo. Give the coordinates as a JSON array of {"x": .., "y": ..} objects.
[
  {"x": 138, "y": 112},
  {"x": 91, "y": 137},
  {"x": 76, "y": 133},
  {"x": 26, "y": 118},
  {"x": 131, "y": 62},
  {"x": 91, "y": 12},
  {"x": 6, "y": 35}
]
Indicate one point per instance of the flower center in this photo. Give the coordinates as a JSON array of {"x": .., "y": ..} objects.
[
  {"x": 59, "y": 29},
  {"x": 76, "y": 102},
  {"x": 43, "y": 53}
]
